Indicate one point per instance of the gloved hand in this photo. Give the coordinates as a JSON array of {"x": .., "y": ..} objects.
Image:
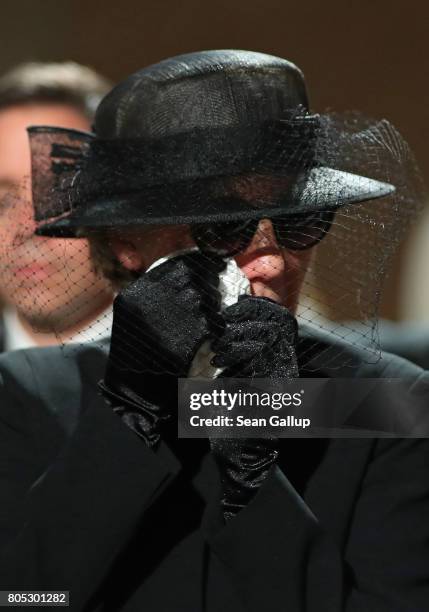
[
  {"x": 258, "y": 341},
  {"x": 159, "y": 322}
]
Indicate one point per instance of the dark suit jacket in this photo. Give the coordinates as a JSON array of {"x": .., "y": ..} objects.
[
  {"x": 2, "y": 334},
  {"x": 87, "y": 507},
  {"x": 410, "y": 341}
]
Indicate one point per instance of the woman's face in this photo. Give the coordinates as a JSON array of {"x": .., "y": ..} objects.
[{"x": 273, "y": 271}]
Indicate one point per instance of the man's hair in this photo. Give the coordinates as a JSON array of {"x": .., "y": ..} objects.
[{"x": 61, "y": 82}]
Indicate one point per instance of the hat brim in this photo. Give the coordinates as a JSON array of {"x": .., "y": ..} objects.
[{"x": 318, "y": 189}]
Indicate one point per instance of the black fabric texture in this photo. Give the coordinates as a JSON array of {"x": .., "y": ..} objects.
[
  {"x": 2, "y": 334},
  {"x": 159, "y": 322},
  {"x": 339, "y": 526},
  {"x": 409, "y": 340},
  {"x": 259, "y": 341},
  {"x": 243, "y": 466},
  {"x": 171, "y": 141}
]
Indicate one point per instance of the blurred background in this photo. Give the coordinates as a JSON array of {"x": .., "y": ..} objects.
[{"x": 366, "y": 55}]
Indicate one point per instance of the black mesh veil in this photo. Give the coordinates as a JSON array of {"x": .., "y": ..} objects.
[
  {"x": 218, "y": 143},
  {"x": 194, "y": 177}
]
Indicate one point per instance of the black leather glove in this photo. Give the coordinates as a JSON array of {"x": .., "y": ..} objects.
[
  {"x": 159, "y": 322},
  {"x": 258, "y": 341}
]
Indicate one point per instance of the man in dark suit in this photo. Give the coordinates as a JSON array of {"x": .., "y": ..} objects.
[
  {"x": 102, "y": 499},
  {"x": 64, "y": 94}
]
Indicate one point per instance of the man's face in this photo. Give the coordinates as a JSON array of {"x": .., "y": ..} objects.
[
  {"x": 50, "y": 281},
  {"x": 273, "y": 271}
]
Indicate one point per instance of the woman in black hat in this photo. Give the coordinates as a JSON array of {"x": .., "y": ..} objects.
[{"x": 195, "y": 163}]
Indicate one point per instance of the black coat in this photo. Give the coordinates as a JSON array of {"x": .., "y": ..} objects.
[
  {"x": 87, "y": 507},
  {"x": 410, "y": 341},
  {"x": 2, "y": 334}
]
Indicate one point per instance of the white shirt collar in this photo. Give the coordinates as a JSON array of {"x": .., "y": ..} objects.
[{"x": 16, "y": 337}]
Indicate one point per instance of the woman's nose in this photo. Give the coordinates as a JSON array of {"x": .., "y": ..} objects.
[{"x": 263, "y": 256}]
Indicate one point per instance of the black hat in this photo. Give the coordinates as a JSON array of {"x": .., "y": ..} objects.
[{"x": 191, "y": 140}]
